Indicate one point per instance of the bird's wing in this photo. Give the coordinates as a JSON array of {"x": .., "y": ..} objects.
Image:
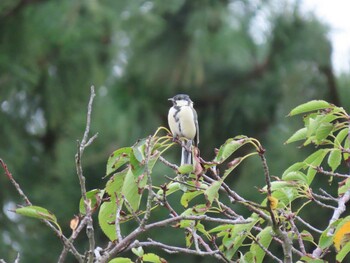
[{"x": 196, "y": 139}]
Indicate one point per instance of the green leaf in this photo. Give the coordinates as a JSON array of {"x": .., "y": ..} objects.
[
  {"x": 294, "y": 167},
  {"x": 115, "y": 184},
  {"x": 117, "y": 159},
  {"x": 121, "y": 260},
  {"x": 196, "y": 210},
  {"x": 200, "y": 227},
  {"x": 297, "y": 136},
  {"x": 326, "y": 240},
  {"x": 247, "y": 257},
  {"x": 106, "y": 219},
  {"x": 38, "y": 212},
  {"x": 235, "y": 240},
  {"x": 323, "y": 131},
  {"x": 312, "y": 161},
  {"x": 94, "y": 196},
  {"x": 212, "y": 192},
  {"x": 316, "y": 156},
  {"x": 171, "y": 188},
  {"x": 306, "y": 236},
  {"x": 138, "y": 251},
  {"x": 232, "y": 165},
  {"x": 310, "y": 106},
  {"x": 275, "y": 185},
  {"x": 228, "y": 148},
  {"x": 346, "y": 146},
  {"x": 185, "y": 169},
  {"x": 264, "y": 238},
  {"x": 334, "y": 159},
  {"x": 188, "y": 196},
  {"x": 341, "y": 136},
  {"x": 295, "y": 176},
  {"x": 220, "y": 228},
  {"x": 312, "y": 125},
  {"x": 286, "y": 195},
  {"x": 345, "y": 187},
  {"x": 151, "y": 257},
  {"x": 139, "y": 150},
  {"x": 130, "y": 190}
]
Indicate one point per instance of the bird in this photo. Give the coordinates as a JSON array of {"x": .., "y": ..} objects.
[{"x": 183, "y": 123}]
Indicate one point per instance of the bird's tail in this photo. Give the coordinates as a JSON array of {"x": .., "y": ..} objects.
[{"x": 186, "y": 154}]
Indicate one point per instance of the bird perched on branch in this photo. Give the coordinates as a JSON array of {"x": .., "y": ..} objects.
[{"x": 183, "y": 123}]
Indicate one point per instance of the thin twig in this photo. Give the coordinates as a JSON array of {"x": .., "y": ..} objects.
[
  {"x": 300, "y": 240},
  {"x": 65, "y": 241},
  {"x": 131, "y": 210},
  {"x": 14, "y": 183},
  {"x": 224, "y": 258},
  {"x": 268, "y": 252},
  {"x": 85, "y": 142},
  {"x": 336, "y": 215},
  {"x": 149, "y": 184},
  {"x": 63, "y": 255},
  {"x": 117, "y": 221},
  {"x": 172, "y": 166},
  {"x": 327, "y": 195},
  {"x": 184, "y": 183},
  {"x": 322, "y": 204},
  {"x": 308, "y": 225},
  {"x": 133, "y": 235},
  {"x": 320, "y": 170},
  {"x": 174, "y": 250},
  {"x": 195, "y": 237},
  {"x": 236, "y": 197},
  {"x": 88, "y": 120},
  {"x": 268, "y": 184},
  {"x": 283, "y": 235}
]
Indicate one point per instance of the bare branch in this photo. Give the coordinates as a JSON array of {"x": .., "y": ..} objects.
[
  {"x": 117, "y": 222},
  {"x": 174, "y": 250},
  {"x": 336, "y": 215},
  {"x": 65, "y": 241},
  {"x": 261, "y": 152},
  {"x": 308, "y": 225},
  {"x": 131, "y": 210},
  {"x": 300, "y": 240},
  {"x": 320, "y": 170},
  {"x": 78, "y": 163},
  {"x": 88, "y": 119},
  {"x": 14, "y": 183},
  {"x": 268, "y": 252},
  {"x": 172, "y": 166},
  {"x": 149, "y": 184}
]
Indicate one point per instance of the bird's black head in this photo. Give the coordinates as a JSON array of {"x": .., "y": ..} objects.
[{"x": 181, "y": 97}]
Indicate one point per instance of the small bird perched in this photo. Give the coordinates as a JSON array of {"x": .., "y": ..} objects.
[{"x": 183, "y": 122}]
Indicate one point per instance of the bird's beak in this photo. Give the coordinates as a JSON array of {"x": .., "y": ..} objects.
[{"x": 171, "y": 99}]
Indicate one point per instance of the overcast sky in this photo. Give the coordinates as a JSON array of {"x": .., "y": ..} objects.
[{"x": 336, "y": 13}]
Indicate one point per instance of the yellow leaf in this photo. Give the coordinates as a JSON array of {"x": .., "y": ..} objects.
[
  {"x": 273, "y": 202},
  {"x": 74, "y": 222},
  {"x": 342, "y": 236}
]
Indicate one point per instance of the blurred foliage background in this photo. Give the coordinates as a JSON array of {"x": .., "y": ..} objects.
[{"x": 244, "y": 63}]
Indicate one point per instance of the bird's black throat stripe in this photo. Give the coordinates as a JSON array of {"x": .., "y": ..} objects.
[{"x": 176, "y": 117}]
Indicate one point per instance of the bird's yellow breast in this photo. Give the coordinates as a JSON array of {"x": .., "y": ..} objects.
[{"x": 181, "y": 122}]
